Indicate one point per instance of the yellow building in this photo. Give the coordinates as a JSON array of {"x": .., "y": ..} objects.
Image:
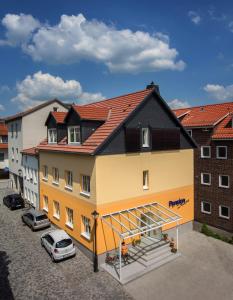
[{"x": 117, "y": 157}]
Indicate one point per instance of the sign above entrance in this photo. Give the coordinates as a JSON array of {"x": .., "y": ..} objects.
[{"x": 179, "y": 202}]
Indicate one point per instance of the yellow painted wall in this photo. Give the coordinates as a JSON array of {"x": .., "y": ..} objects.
[
  {"x": 167, "y": 170},
  {"x": 116, "y": 184}
]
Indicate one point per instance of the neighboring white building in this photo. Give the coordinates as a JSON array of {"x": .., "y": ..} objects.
[
  {"x": 30, "y": 176},
  {"x": 26, "y": 130},
  {"x": 3, "y": 150}
]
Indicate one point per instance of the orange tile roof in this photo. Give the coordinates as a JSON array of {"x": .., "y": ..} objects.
[
  {"x": 115, "y": 110},
  {"x": 3, "y": 146},
  {"x": 59, "y": 116},
  {"x": 92, "y": 113},
  {"x": 3, "y": 129},
  {"x": 206, "y": 115},
  {"x": 30, "y": 151}
]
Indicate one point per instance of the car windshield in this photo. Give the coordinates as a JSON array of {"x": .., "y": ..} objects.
[
  {"x": 63, "y": 243},
  {"x": 41, "y": 218}
]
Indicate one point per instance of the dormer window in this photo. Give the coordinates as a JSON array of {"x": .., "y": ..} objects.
[
  {"x": 52, "y": 135},
  {"x": 74, "y": 135},
  {"x": 145, "y": 137}
]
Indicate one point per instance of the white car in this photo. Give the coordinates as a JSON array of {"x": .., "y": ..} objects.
[{"x": 58, "y": 244}]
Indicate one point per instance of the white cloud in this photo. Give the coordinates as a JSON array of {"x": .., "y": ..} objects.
[
  {"x": 75, "y": 38},
  {"x": 2, "y": 108},
  {"x": 176, "y": 103},
  {"x": 194, "y": 17},
  {"x": 220, "y": 92},
  {"x": 40, "y": 87},
  {"x": 19, "y": 29},
  {"x": 230, "y": 25}
]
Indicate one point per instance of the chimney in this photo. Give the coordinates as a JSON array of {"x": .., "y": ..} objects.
[
  {"x": 55, "y": 108},
  {"x": 152, "y": 85}
]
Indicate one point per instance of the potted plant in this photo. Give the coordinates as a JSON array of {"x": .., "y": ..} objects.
[{"x": 165, "y": 236}]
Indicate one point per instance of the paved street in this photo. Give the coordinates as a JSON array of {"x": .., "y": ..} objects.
[{"x": 26, "y": 270}]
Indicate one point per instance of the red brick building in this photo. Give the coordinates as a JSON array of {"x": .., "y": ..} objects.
[{"x": 211, "y": 126}]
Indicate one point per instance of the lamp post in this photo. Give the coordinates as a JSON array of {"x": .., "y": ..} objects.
[{"x": 95, "y": 216}]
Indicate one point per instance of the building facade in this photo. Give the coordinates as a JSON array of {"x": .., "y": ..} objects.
[
  {"x": 30, "y": 164},
  {"x": 115, "y": 155},
  {"x": 26, "y": 130},
  {"x": 3, "y": 150},
  {"x": 211, "y": 128}
]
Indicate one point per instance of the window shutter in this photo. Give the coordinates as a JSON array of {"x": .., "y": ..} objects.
[
  {"x": 165, "y": 138},
  {"x": 132, "y": 139}
]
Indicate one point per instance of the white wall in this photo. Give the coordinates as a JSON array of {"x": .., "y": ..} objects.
[{"x": 31, "y": 179}]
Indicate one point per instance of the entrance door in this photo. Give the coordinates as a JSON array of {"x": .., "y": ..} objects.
[{"x": 155, "y": 233}]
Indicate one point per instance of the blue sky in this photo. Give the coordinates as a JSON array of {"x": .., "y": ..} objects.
[{"x": 106, "y": 48}]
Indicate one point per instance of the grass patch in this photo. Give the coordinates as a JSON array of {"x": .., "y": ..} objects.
[{"x": 208, "y": 232}]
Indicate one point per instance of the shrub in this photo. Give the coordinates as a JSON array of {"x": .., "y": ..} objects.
[{"x": 208, "y": 232}]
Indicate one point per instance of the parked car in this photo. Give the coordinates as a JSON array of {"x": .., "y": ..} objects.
[
  {"x": 13, "y": 201},
  {"x": 35, "y": 219},
  {"x": 58, "y": 244}
]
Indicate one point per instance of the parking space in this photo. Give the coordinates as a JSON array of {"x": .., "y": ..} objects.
[{"x": 27, "y": 272}]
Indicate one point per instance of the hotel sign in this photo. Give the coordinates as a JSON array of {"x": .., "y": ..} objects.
[{"x": 179, "y": 202}]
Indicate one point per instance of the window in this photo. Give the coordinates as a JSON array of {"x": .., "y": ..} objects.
[
  {"x": 1, "y": 156},
  {"x": 55, "y": 175},
  {"x": 69, "y": 217},
  {"x": 206, "y": 207},
  {"x": 56, "y": 207},
  {"x": 145, "y": 137},
  {"x": 86, "y": 229},
  {"x": 224, "y": 212},
  {"x": 74, "y": 134},
  {"x": 205, "y": 151},
  {"x": 69, "y": 179},
  {"x": 221, "y": 152},
  {"x": 145, "y": 180},
  {"x": 45, "y": 204},
  {"x": 85, "y": 188},
  {"x": 45, "y": 172},
  {"x": 52, "y": 135},
  {"x": 190, "y": 132},
  {"x": 12, "y": 130},
  {"x": 30, "y": 174},
  {"x": 16, "y": 130},
  {"x": 17, "y": 154},
  {"x": 13, "y": 154},
  {"x": 224, "y": 181},
  {"x": 35, "y": 176},
  {"x": 206, "y": 178},
  {"x": 4, "y": 139}
]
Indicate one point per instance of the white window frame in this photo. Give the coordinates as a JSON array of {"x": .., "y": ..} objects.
[
  {"x": 202, "y": 207},
  {"x": 220, "y": 184},
  {"x": 217, "y": 152},
  {"x": 85, "y": 183},
  {"x": 68, "y": 178},
  {"x": 35, "y": 176},
  {"x": 75, "y": 128},
  {"x": 145, "y": 179},
  {"x": 69, "y": 221},
  {"x": 45, "y": 203},
  {"x": 55, "y": 176},
  {"x": 86, "y": 227},
  {"x": 190, "y": 132},
  {"x": 52, "y": 135},
  {"x": 220, "y": 212},
  {"x": 202, "y": 176},
  {"x": 202, "y": 152},
  {"x": 45, "y": 172},
  {"x": 146, "y": 135},
  {"x": 56, "y": 209}
]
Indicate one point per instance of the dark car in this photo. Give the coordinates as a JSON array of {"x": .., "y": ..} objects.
[{"x": 13, "y": 201}]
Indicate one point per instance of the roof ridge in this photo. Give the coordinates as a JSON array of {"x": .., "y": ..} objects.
[
  {"x": 123, "y": 95},
  {"x": 212, "y": 104}
]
